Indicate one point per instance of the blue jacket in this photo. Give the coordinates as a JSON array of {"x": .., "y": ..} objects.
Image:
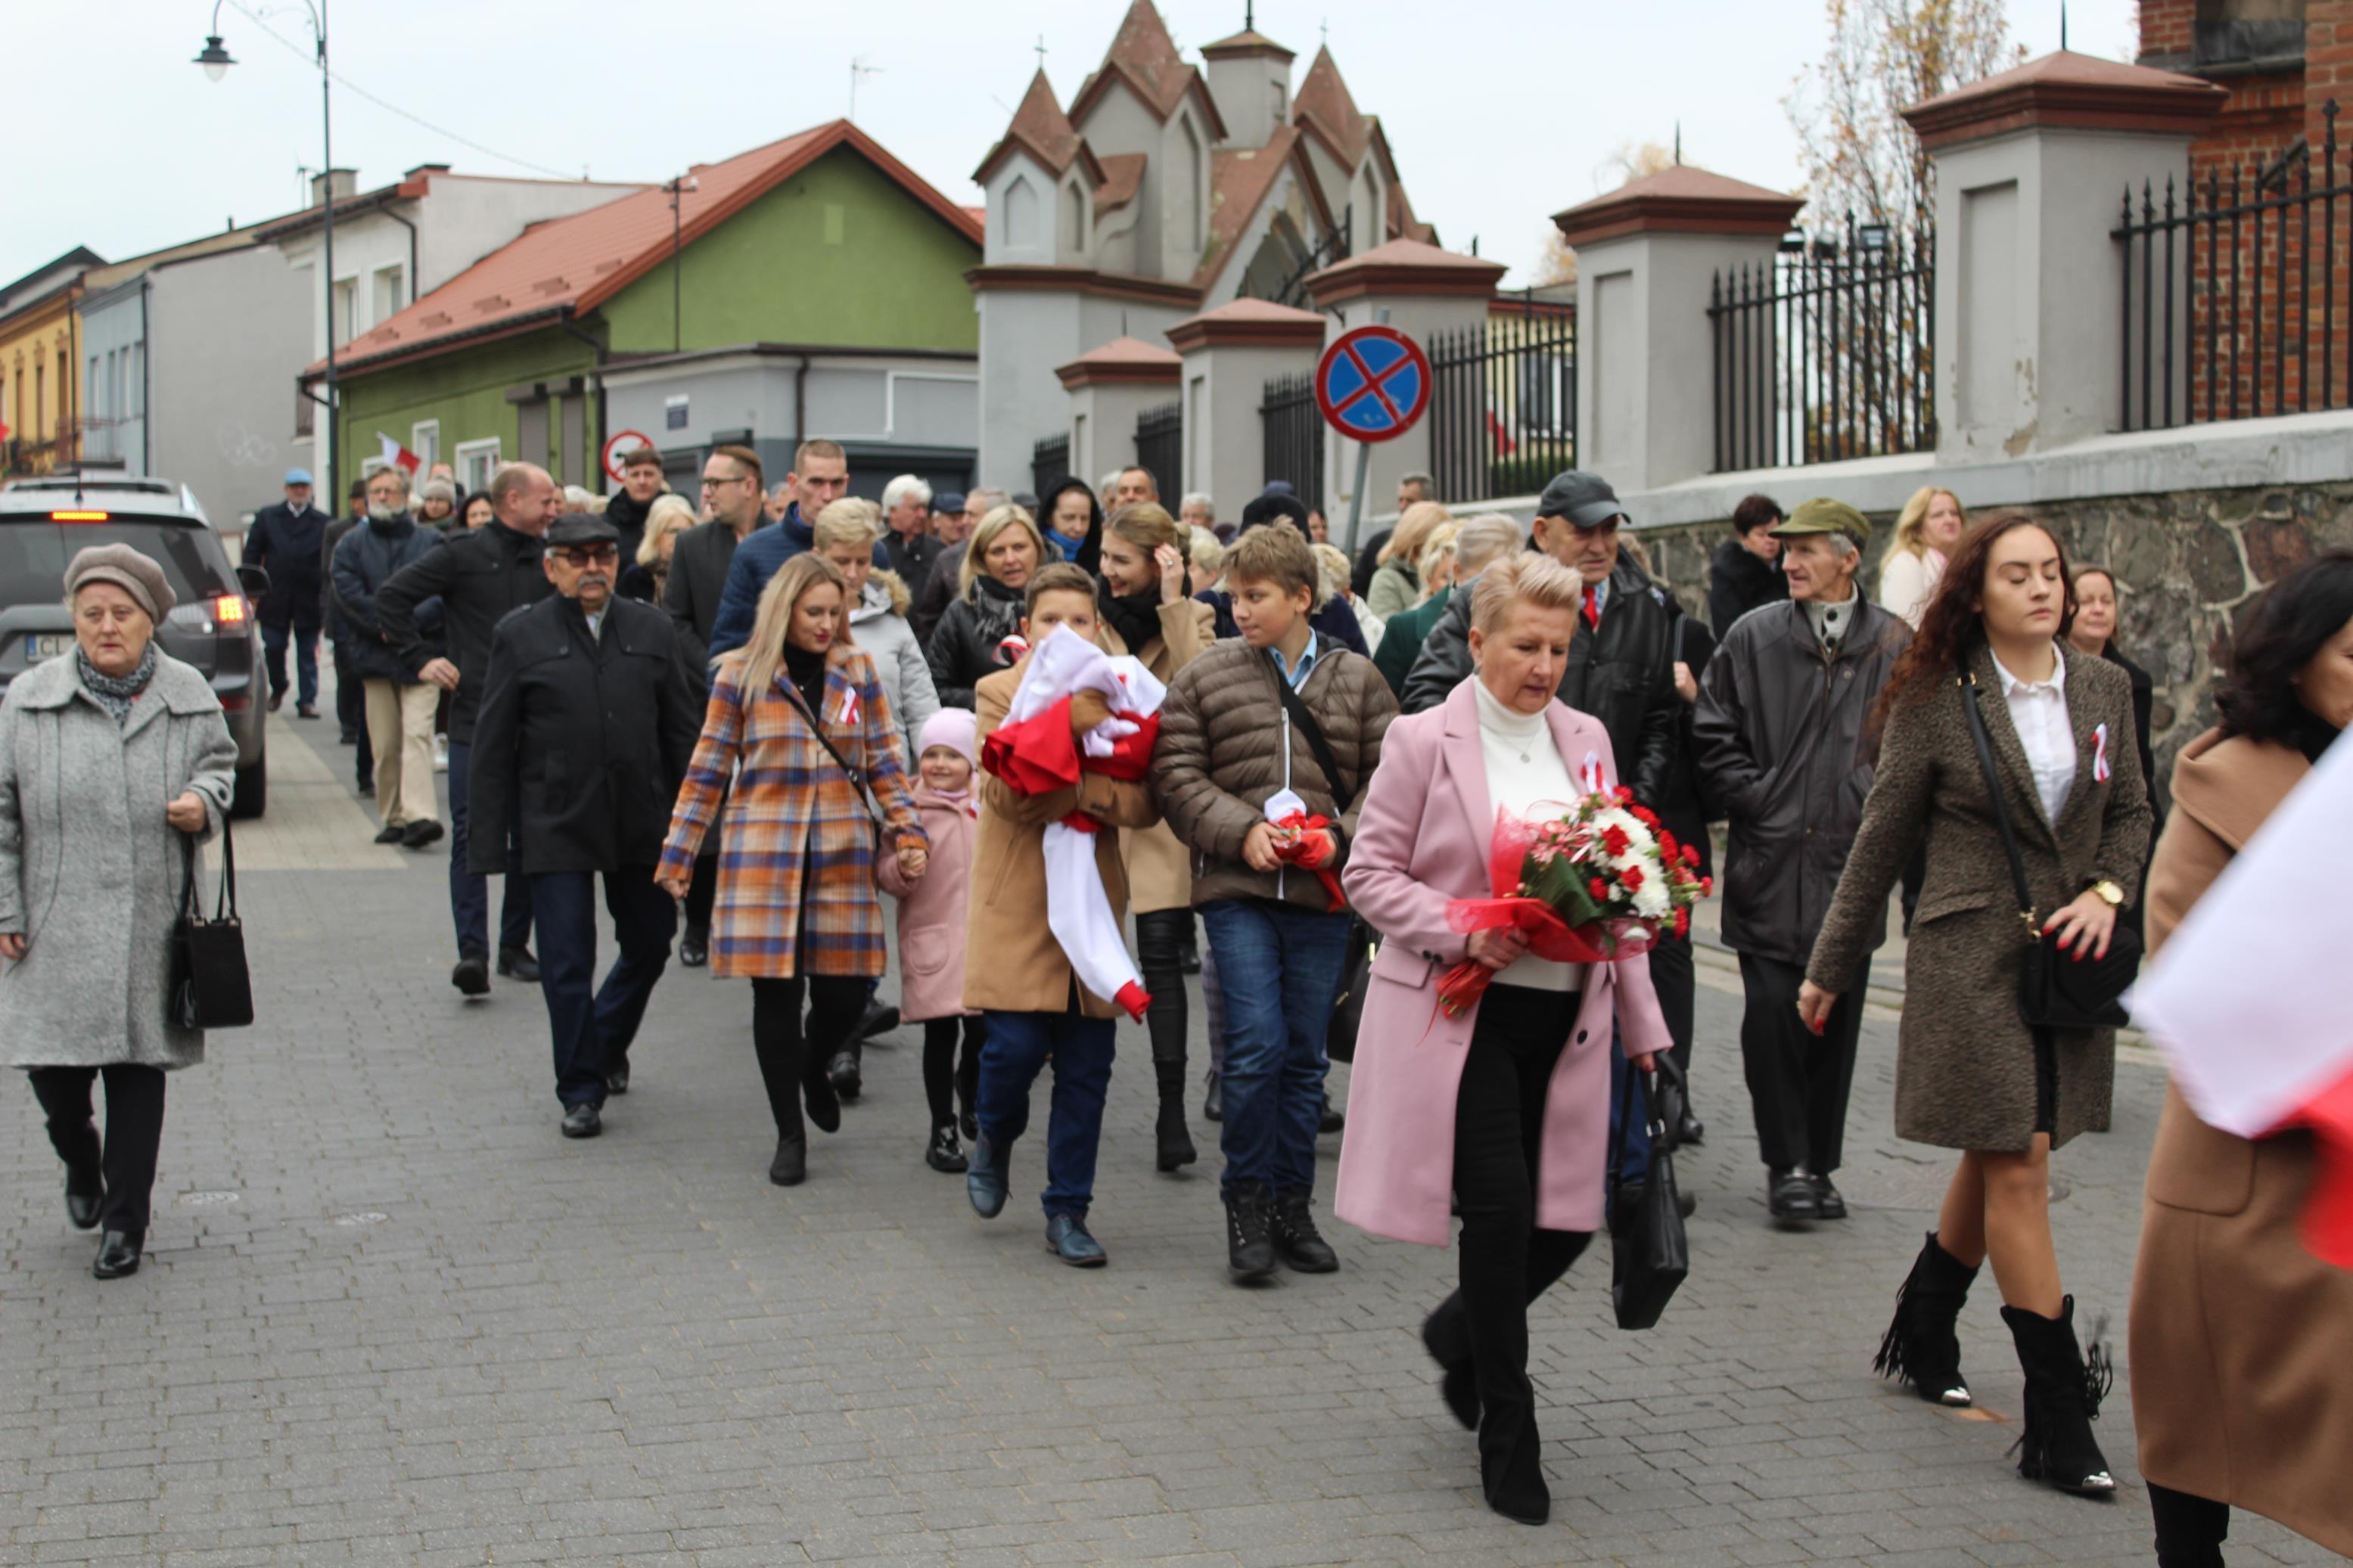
[
  {"x": 364, "y": 563},
  {"x": 756, "y": 561}
]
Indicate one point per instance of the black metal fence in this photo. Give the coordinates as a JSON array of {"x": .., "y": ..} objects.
[
  {"x": 2239, "y": 317},
  {"x": 1826, "y": 352},
  {"x": 1290, "y": 428},
  {"x": 1503, "y": 404},
  {"x": 1049, "y": 463},
  {"x": 1160, "y": 447}
]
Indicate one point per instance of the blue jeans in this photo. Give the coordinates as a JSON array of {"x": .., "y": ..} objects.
[
  {"x": 591, "y": 1035},
  {"x": 1017, "y": 1048},
  {"x": 470, "y": 893},
  {"x": 1280, "y": 966},
  {"x": 306, "y": 660}
]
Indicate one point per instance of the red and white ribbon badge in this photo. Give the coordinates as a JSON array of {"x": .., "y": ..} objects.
[
  {"x": 847, "y": 717},
  {"x": 2100, "y": 769}
]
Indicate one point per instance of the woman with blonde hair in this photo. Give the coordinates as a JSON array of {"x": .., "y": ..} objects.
[
  {"x": 1332, "y": 572},
  {"x": 845, "y": 533},
  {"x": 1005, "y": 550},
  {"x": 1927, "y": 531},
  {"x": 1396, "y": 580},
  {"x": 649, "y": 574},
  {"x": 1208, "y": 554},
  {"x": 799, "y": 721}
]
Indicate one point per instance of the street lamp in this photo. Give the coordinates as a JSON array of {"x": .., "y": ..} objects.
[
  {"x": 215, "y": 59},
  {"x": 677, "y": 189}
]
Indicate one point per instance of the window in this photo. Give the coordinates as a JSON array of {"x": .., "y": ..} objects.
[
  {"x": 342, "y": 313},
  {"x": 387, "y": 294},
  {"x": 424, "y": 440},
  {"x": 477, "y": 461}
]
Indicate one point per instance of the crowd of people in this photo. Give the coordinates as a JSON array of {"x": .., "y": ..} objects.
[{"x": 757, "y": 714}]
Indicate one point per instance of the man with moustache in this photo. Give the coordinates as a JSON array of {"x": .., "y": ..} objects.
[{"x": 589, "y": 716}]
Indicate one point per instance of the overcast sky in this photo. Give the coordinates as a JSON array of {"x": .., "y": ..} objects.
[{"x": 1500, "y": 111}]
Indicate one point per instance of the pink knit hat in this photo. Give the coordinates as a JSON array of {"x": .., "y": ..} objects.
[{"x": 951, "y": 727}]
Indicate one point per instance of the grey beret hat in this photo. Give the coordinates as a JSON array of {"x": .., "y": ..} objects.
[{"x": 124, "y": 567}]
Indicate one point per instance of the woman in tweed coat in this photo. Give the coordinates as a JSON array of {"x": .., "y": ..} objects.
[
  {"x": 797, "y": 907},
  {"x": 1970, "y": 1074}
]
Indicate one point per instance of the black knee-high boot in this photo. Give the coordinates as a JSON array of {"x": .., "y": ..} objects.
[
  {"x": 2063, "y": 1389},
  {"x": 1920, "y": 1347},
  {"x": 1159, "y": 948}
]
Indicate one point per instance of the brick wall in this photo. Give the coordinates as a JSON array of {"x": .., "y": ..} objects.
[{"x": 2164, "y": 26}]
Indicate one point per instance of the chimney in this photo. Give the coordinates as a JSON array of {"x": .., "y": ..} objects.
[
  {"x": 424, "y": 169},
  {"x": 345, "y": 184}
]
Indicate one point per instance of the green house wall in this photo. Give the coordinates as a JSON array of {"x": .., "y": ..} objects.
[{"x": 465, "y": 389}]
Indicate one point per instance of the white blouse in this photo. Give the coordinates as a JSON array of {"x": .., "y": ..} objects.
[
  {"x": 1524, "y": 769},
  {"x": 1906, "y": 581},
  {"x": 2038, "y": 711}
]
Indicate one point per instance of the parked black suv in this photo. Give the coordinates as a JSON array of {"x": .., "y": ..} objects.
[{"x": 44, "y": 521}]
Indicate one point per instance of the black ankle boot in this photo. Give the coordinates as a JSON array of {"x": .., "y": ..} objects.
[
  {"x": 1250, "y": 1248},
  {"x": 1175, "y": 1137},
  {"x": 1446, "y": 1335},
  {"x": 1920, "y": 1347},
  {"x": 2063, "y": 1389},
  {"x": 1510, "y": 1472},
  {"x": 1291, "y": 1223}
]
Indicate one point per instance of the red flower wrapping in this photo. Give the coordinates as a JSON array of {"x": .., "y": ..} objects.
[
  {"x": 1550, "y": 936},
  {"x": 1301, "y": 823}
]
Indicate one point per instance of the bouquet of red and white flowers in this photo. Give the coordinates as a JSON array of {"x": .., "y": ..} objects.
[{"x": 1597, "y": 882}]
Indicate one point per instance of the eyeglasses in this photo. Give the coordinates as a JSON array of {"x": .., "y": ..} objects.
[
  {"x": 711, "y": 484},
  {"x": 590, "y": 554}
]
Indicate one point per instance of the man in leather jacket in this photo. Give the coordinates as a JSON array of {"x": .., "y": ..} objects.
[
  {"x": 1621, "y": 665},
  {"x": 1782, "y": 731}
]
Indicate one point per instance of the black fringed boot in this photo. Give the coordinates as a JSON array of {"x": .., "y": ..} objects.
[
  {"x": 2063, "y": 1390},
  {"x": 1920, "y": 1347}
]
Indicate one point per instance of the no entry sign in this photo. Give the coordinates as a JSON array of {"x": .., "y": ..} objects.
[
  {"x": 1372, "y": 383},
  {"x": 613, "y": 449}
]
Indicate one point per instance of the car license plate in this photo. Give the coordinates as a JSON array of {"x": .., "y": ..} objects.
[{"x": 46, "y": 646}]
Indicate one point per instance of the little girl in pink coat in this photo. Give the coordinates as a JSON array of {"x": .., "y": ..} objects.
[{"x": 932, "y": 926}]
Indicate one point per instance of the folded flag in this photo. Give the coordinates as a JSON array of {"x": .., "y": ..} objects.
[{"x": 2265, "y": 1047}]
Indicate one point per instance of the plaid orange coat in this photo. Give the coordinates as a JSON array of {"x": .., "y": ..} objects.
[{"x": 799, "y": 848}]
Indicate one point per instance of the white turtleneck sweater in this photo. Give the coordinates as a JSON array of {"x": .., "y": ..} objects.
[{"x": 1524, "y": 768}]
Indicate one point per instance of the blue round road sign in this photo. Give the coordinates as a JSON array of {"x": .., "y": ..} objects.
[{"x": 1372, "y": 383}]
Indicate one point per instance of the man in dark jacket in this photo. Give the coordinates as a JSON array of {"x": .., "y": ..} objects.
[
  {"x": 399, "y": 704},
  {"x": 288, "y": 540},
  {"x": 1621, "y": 664},
  {"x": 641, "y": 484},
  {"x": 479, "y": 577},
  {"x": 588, "y": 718},
  {"x": 351, "y": 692},
  {"x": 1782, "y": 737},
  {"x": 1482, "y": 540},
  {"x": 907, "y": 536},
  {"x": 1747, "y": 570},
  {"x": 821, "y": 477}
]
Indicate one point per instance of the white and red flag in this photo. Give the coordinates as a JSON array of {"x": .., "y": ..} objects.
[
  {"x": 2248, "y": 998},
  {"x": 396, "y": 455}
]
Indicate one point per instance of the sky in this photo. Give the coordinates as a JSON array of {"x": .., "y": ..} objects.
[{"x": 1508, "y": 113}]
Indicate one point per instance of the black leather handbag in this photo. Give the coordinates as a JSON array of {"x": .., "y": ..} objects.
[
  {"x": 1649, "y": 1255},
  {"x": 210, "y": 987},
  {"x": 1356, "y": 976},
  {"x": 2055, "y": 989}
]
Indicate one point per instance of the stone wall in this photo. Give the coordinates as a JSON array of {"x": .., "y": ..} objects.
[{"x": 2187, "y": 565}]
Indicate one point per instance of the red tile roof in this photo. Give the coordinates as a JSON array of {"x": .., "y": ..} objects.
[
  {"x": 1324, "y": 106},
  {"x": 568, "y": 266},
  {"x": 1249, "y": 41},
  {"x": 1240, "y": 179},
  {"x": 1145, "y": 57},
  {"x": 1040, "y": 128},
  {"x": 1124, "y": 359},
  {"x": 1123, "y": 175},
  {"x": 2079, "y": 91}
]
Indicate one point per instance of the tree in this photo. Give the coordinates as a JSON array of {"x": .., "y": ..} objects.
[
  {"x": 1629, "y": 160},
  {"x": 1863, "y": 160}
]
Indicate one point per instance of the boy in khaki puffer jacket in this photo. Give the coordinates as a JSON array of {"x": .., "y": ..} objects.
[{"x": 1240, "y": 779}]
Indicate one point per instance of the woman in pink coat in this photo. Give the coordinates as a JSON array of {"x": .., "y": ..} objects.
[
  {"x": 1507, "y": 1106},
  {"x": 931, "y": 914}
]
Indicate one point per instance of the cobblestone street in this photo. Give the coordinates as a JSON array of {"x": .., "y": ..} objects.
[{"x": 390, "y": 1316}]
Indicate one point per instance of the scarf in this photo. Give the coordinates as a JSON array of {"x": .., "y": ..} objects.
[
  {"x": 964, "y": 799},
  {"x": 116, "y": 693},
  {"x": 1134, "y": 616},
  {"x": 999, "y": 612}
]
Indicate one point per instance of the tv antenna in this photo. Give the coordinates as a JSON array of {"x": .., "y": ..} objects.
[{"x": 859, "y": 72}]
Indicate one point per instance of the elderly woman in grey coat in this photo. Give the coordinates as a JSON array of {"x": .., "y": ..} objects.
[{"x": 108, "y": 758}]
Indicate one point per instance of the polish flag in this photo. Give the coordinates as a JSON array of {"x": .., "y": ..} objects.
[
  {"x": 2263, "y": 1045},
  {"x": 396, "y": 455},
  {"x": 1505, "y": 445}
]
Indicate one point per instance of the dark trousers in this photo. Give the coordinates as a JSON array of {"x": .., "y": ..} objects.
[
  {"x": 947, "y": 1079},
  {"x": 2191, "y": 1529},
  {"x": 591, "y": 1035},
  {"x": 134, "y": 1132},
  {"x": 1160, "y": 938},
  {"x": 351, "y": 712},
  {"x": 1020, "y": 1045},
  {"x": 702, "y": 894},
  {"x": 1672, "y": 978},
  {"x": 1506, "y": 1262},
  {"x": 788, "y": 1059},
  {"x": 306, "y": 660},
  {"x": 1797, "y": 1080},
  {"x": 469, "y": 894},
  {"x": 1280, "y": 966}
]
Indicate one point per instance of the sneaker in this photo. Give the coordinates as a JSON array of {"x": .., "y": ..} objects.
[
  {"x": 423, "y": 831},
  {"x": 1250, "y": 1248},
  {"x": 472, "y": 975},
  {"x": 583, "y": 1121},
  {"x": 1291, "y": 1225},
  {"x": 1067, "y": 1238},
  {"x": 945, "y": 1155},
  {"x": 984, "y": 1179}
]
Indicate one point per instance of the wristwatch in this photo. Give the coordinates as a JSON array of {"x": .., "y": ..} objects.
[{"x": 2110, "y": 894}]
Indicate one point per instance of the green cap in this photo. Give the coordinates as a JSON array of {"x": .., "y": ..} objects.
[{"x": 1823, "y": 515}]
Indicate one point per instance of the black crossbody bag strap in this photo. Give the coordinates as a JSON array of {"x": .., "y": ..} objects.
[
  {"x": 1968, "y": 684},
  {"x": 873, "y": 808},
  {"x": 1305, "y": 723}
]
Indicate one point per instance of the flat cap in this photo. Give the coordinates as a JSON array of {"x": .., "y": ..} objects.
[
  {"x": 581, "y": 528},
  {"x": 1823, "y": 515},
  {"x": 124, "y": 567},
  {"x": 948, "y": 502}
]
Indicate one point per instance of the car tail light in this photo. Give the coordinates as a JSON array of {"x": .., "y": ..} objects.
[
  {"x": 79, "y": 515},
  {"x": 235, "y": 702},
  {"x": 229, "y": 609}
]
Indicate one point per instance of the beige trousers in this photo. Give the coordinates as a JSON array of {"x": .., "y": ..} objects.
[{"x": 400, "y": 728}]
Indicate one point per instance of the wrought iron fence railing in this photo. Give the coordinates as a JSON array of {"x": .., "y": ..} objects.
[
  {"x": 1049, "y": 463},
  {"x": 1502, "y": 406},
  {"x": 1827, "y": 353},
  {"x": 1160, "y": 447},
  {"x": 1291, "y": 429}
]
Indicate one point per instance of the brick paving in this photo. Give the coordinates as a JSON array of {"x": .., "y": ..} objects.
[{"x": 390, "y": 1316}]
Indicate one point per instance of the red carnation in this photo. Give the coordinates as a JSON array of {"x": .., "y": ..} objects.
[
  {"x": 1599, "y": 889},
  {"x": 1625, "y": 796},
  {"x": 1667, "y": 849},
  {"x": 1707, "y": 886},
  {"x": 1643, "y": 815},
  {"x": 1613, "y": 839},
  {"x": 1691, "y": 855},
  {"x": 1683, "y": 922},
  {"x": 1632, "y": 877}
]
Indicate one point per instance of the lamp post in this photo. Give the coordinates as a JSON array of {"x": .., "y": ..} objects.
[
  {"x": 215, "y": 59},
  {"x": 677, "y": 189}
]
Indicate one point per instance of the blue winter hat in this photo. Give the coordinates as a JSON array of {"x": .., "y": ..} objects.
[{"x": 297, "y": 476}]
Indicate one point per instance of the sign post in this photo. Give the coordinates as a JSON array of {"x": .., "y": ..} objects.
[
  {"x": 613, "y": 445},
  {"x": 1372, "y": 385}
]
